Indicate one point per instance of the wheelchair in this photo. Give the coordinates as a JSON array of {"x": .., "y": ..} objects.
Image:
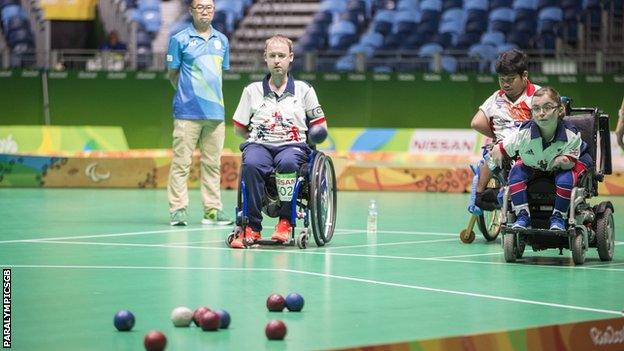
[
  {"x": 587, "y": 226},
  {"x": 487, "y": 219},
  {"x": 313, "y": 200}
]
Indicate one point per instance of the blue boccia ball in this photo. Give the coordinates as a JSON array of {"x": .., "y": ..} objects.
[
  {"x": 317, "y": 134},
  {"x": 224, "y": 318},
  {"x": 294, "y": 302},
  {"x": 124, "y": 320}
]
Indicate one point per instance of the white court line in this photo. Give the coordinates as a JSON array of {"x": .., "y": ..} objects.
[
  {"x": 390, "y": 244},
  {"x": 114, "y": 234},
  {"x": 473, "y": 255},
  {"x": 309, "y": 252},
  {"x": 340, "y": 277},
  {"x": 454, "y": 292},
  {"x": 210, "y": 228}
]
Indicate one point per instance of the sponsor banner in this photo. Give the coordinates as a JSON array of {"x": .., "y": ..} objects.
[
  {"x": 445, "y": 141},
  {"x": 55, "y": 139},
  {"x": 598, "y": 335},
  {"x": 72, "y": 10}
]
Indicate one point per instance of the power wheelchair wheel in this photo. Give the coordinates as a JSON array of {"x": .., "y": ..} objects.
[
  {"x": 509, "y": 247},
  {"x": 513, "y": 246},
  {"x": 577, "y": 246},
  {"x": 323, "y": 199},
  {"x": 605, "y": 235}
]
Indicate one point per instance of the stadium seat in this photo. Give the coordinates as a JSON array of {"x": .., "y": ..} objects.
[
  {"x": 345, "y": 64},
  {"x": 547, "y": 3},
  {"x": 360, "y": 48},
  {"x": 405, "y": 21},
  {"x": 494, "y": 4},
  {"x": 20, "y": 36},
  {"x": 382, "y": 22},
  {"x": 455, "y": 14},
  {"x": 430, "y": 49},
  {"x": 431, "y": 5},
  {"x": 372, "y": 39},
  {"x": 525, "y": 4},
  {"x": 149, "y": 5},
  {"x": 476, "y": 5},
  {"x": 407, "y": 5},
  {"x": 449, "y": 4},
  {"x": 4, "y": 3},
  {"x": 451, "y": 27},
  {"x": 493, "y": 38}
]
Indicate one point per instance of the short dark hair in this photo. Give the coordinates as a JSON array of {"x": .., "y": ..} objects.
[
  {"x": 552, "y": 94},
  {"x": 512, "y": 61}
]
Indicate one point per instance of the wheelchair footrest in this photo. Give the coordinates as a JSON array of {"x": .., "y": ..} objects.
[
  {"x": 269, "y": 242},
  {"x": 530, "y": 231}
]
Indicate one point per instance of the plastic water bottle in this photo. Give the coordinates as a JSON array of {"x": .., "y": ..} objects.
[{"x": 371, "y": 225}]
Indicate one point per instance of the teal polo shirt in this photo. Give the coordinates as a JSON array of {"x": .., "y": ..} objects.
[{"x": 201, "y": 62}]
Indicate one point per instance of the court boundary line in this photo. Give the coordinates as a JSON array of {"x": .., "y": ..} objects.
[
  {"x": 341, "y": 231},
  {"x": 327, "y": 253},
  {"x": 339, "y": 277}
]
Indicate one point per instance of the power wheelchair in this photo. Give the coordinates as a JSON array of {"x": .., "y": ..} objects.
[
  {"x": 587, "y": 225},
  {"x": 313, "y": 200}
]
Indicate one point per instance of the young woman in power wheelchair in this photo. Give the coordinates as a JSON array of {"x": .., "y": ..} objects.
[
  {"x": 281, "y": 173},
  {"x": 554, "y": 176}
]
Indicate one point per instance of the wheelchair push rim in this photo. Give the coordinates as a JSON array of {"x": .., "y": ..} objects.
[
  {"x": 323, "y": 199},
  {"x": 490, "y": 224}
]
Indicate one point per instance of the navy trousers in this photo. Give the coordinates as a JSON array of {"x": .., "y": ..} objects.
[
  {"x": 259, "y": 162},
  {"x": 564, "y": 181}
]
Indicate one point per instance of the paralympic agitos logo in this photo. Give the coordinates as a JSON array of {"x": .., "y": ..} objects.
[{"x": 609, "y": 336}]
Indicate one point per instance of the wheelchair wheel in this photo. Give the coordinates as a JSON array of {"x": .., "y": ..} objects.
[
  {"x": 605, "y": 235},
  {"x": 510, "y": 248},
  {"x": 490, "y": 224},
  {"x": 302, "y": 240},
  {"x": 578, "y": 249},
  {"x": 323, "y": 199}
]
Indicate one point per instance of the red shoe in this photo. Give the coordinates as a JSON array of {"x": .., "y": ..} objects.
[
  {"x": 282, "y": 231},
  {"x": 250, "y": 236}
]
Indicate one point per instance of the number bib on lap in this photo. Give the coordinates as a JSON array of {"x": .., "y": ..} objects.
[{"x": 285, "y": 185}]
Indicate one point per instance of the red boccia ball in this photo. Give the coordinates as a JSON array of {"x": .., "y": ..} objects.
[
  {"x": 275, "y": 330},
  {"x": 155, "y": 341},
  {"x": 209, "y": 321},
  {"x": 275, "y": 303},
  {"x": 198, "y": 312}
]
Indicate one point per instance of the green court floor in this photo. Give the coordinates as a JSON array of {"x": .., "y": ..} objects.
[{"x": 77, "y": 256}]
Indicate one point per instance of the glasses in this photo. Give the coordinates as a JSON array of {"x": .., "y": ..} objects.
[
  {"x": 546, "y": 109},
  {"x": 201, "y": 8}
]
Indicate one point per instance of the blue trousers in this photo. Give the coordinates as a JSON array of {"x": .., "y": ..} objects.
[
  {"x": 564, "y": 181},
  {"x": 259, "y": 162}
]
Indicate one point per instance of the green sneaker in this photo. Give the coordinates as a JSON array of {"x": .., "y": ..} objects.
[
  {"x": 218, "y": 217},
  {"x": 178, "y": 217}
]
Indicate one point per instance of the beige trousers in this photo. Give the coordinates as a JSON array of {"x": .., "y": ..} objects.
[{"x": 209, "y": 134}]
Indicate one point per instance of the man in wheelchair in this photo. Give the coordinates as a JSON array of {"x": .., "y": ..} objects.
[
  {"x": 545, "y": 144},
  {"x": 275, "y": 116}
]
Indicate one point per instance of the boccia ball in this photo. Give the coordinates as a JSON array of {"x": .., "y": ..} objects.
[
  {"x": 209, "y": 321},
  {"x": 294, "y": 302},
  {"x": 198, "y": 312},
  {"x": 275, "y": 330},
  {"x": 224, "y": 318},
  {"x": 155, "y": 341},
  {"x": 275, "y": 303},
  {"x": 317, "y": 134},
  {"x": 181, "y": 316},
  {"x": 124, "y": 320}
]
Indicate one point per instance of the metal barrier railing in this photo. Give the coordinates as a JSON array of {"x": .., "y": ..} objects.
[{"x": 402, "y": 61}]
